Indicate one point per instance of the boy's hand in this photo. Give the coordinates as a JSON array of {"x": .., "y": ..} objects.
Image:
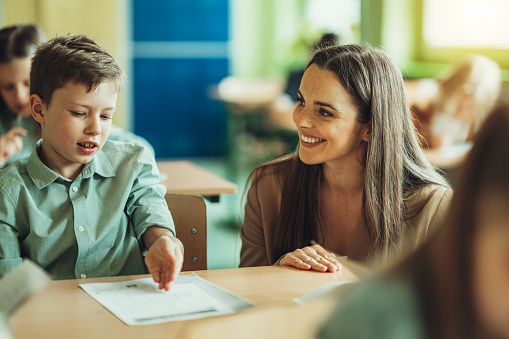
[{"x": 165, "y": 256}]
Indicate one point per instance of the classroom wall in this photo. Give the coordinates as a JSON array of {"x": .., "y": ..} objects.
[
  {"x": 261, "y": 32},
  {"x": 396, "y": 26},
  {"x": 106, "y": 21}
]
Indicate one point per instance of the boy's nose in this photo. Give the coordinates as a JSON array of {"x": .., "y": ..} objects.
[{"x": 94, "y": 126}]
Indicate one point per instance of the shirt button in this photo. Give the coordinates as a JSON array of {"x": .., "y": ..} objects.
[
  {"x": 81, "y": 229},
  {"x": 75, "y": 189},
  {"x": 83, "y": 276}
]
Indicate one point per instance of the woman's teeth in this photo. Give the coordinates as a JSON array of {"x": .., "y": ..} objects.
[{"x": 311, "y": 140}]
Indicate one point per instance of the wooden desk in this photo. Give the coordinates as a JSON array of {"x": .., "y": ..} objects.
[
  {"x": 184, "y": 177},
  {"x": 64, "y": 310}
]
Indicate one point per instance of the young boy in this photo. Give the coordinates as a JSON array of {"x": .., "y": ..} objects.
[{"x": 80, "y": 206}]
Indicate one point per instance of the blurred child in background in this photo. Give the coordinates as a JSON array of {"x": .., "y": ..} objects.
[
  {"x": 457, "y": 284},
  {"x": 18, "y": 130},
  {"x": 455, "y": 107}
]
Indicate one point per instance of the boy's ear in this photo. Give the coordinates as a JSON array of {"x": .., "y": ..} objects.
[
  {"x": 366, "y": 132},
  {"x": 37, "y": 108}
]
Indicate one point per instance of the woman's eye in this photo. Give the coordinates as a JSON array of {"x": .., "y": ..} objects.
[
  {"x": 106, "y": 117},
  {"x": 325, "y": 113},
  {"x": 300, "y": 102}
]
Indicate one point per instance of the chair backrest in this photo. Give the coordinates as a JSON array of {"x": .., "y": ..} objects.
[{"x": 190, "y": 218}]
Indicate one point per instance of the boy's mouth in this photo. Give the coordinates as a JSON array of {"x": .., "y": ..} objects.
[{"x": 87, "y": 145}]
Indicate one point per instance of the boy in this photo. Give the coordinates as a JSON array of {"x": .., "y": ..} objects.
[{"x": 80, "y": 206}]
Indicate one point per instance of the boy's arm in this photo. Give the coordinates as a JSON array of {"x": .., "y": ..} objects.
[
  {"x": 165, "y": 255},
  {"x": 10, "y": 246}
]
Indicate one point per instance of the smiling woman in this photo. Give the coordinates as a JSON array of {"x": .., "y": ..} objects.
[{"x": 358, "y": 184}]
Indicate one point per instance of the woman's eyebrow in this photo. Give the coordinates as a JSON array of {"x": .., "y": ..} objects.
[{"x": 319, "y": 103}]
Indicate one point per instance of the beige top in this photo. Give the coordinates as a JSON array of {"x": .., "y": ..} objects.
[{"x": 262, "y": 213}]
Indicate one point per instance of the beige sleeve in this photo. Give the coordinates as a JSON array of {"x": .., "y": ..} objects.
[
  {"x": 254, "y": 247},
  {"x": 444, "y": 197}
]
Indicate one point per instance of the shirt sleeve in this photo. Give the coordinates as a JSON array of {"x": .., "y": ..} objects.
[
  {"x": 10, "y": 248},
  {"x": 146, "y": 205},
  {"x": 254, "y": 247}
]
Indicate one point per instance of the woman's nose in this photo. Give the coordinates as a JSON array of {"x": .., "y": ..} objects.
[{"x": 301, "y": 117}]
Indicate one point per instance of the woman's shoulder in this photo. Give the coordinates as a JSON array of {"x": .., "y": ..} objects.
[{"x": 428, "y": 196}]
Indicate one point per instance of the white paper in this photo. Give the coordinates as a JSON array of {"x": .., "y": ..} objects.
[
  {"x": 140, "y": 302},
  {"x": 24, "y": 280},
  {"x": 321, "y": 291}
]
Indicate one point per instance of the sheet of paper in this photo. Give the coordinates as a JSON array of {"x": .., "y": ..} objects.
[
  {"x": 327, "y": 290},
  {"x": 24, "y": 280},
  {"x": 140, "y": 302}
]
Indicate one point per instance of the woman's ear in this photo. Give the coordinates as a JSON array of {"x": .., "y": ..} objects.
[
  {"x": 37, "y": 107},
  {"x": 366, "y": 131}
]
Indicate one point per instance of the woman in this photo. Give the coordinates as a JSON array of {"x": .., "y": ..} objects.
[
  {"x": 456, "y": 285},
  {"x": 18, "y": 130},
  {"x": 358, "y": 184}
]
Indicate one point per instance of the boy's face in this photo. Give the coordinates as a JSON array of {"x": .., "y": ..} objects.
[{"x": 75, "y": 125}]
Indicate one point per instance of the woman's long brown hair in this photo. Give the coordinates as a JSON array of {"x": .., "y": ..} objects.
[{"x": 395, "y": 164}]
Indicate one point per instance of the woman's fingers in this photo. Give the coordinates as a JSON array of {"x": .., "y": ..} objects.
[
  {"x": 312, "y": 257},
  {"x": 331, "y": 258}
]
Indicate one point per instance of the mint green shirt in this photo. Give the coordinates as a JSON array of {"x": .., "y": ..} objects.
[{"x": 89, "y": 227}]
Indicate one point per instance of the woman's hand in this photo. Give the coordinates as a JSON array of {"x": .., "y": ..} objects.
[{"x": 311, "y": 258}]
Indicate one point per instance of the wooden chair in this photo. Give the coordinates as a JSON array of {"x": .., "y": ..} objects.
[{"x": 190, "y": 218}]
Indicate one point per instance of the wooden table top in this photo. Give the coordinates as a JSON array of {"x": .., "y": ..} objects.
[
  {"x": 184, "y": 177},
  {"x": 64, "y": 310}
]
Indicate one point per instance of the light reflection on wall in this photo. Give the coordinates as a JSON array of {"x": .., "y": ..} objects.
[{"x": 466, "y": 23}]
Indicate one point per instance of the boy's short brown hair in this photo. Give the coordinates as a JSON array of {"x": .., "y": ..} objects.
[{"x": 71, "y": 58}]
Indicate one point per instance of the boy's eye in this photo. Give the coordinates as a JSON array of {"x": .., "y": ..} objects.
[
  {"x": 106, "y": 117},
  {"x": 78, "y": 114}
]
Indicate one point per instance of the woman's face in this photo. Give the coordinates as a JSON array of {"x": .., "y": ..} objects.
[
  {"x": 491, "y": 267},
  {"x": 15, "y": 85},
  {"x": 326, "y": 120}
]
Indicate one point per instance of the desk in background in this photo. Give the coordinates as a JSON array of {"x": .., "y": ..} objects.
[
  {"x": 64, "y": 310},
  {"x": 184, "y": 177}
]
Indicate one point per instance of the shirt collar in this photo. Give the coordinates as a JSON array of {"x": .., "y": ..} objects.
[
  {"x": 99, "y": 164},
  {"x": 42, "y": 175}
]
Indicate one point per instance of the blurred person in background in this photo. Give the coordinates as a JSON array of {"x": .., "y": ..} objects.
[
  {"x": 358, "y": 182},
  {"x": 454, "y": 108},
  {"x": 457, "y": 284},
  {"x": 18, "y": 130}
]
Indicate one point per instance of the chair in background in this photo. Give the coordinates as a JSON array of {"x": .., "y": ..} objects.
[{"x": 190, "y": 218}]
